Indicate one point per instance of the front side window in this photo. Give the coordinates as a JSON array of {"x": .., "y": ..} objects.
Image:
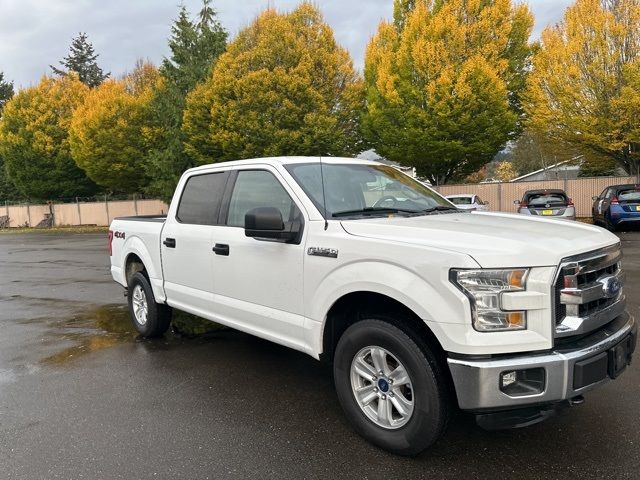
[
  {"x": 258, "y": 188},
  {"x": 357, "y": 190},
  {"x": 201, "y": 198}
]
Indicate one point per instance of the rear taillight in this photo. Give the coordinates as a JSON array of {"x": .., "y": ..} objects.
[
  {"x": 614, "y": 201},
  {"x": 524, "y": 205},
  {"x": 570, "y": 202},
  {"x": 110, "y": 245}
]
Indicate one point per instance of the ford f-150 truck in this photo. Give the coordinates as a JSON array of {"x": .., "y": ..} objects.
[{"x": 419, "y": 306}]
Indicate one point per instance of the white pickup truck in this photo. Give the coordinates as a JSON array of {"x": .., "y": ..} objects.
[{"x": 419, "y": 306}]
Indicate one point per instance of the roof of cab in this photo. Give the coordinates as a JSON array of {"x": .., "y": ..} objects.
[{"x": 286, "y": 161}]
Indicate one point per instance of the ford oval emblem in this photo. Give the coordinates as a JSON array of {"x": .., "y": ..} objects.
[{"x": 611, "y": 286}]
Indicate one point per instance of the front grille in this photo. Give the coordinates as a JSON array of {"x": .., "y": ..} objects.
[{"x": 588, "y": 291}]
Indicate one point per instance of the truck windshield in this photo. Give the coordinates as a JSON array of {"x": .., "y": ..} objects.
[{"x": 365, "y": 190}]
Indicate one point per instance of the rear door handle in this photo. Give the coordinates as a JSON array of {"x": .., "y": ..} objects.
[
  {"x": 221, "y": 249},
  {"x": 169, "y": 242}
]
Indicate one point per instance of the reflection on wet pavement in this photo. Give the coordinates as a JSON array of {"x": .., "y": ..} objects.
[
  {"x": 104, "y": 326},
  {"x": 95, "y": 329}
]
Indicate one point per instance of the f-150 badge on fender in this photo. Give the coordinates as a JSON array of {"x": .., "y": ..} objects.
[{"x": 323, "y": 252}]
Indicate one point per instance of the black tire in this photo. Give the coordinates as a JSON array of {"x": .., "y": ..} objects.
[
  {"x": 430, "y": 388},
  {"x": 608, "y": 225},
  {"x": 158, "y": 316}
]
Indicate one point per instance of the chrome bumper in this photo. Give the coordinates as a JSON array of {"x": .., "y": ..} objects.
[{"x": 477, "y": 382}]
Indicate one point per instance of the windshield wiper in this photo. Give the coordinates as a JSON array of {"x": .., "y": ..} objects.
[
  {"x": 368, "y": 210},
  {"x": 440, "y": 208}
]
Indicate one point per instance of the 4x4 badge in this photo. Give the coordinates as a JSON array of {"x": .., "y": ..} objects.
[{"x": 323, "y": 252}]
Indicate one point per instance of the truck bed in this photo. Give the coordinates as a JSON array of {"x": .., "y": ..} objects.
[{"x": 144, "y": 218}]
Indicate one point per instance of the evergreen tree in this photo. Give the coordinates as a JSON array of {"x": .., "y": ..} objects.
[
  {"x": 8, "y": 191},
  {"x": 82, "y": 60},
  {"x": 6, "y": 91},
  {"x": 195, "y": 46}
]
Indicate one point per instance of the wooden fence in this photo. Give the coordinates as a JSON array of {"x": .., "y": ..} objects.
[
  {"x": 499, "y": 195},
  {"x": 79, "y": 213},
  {"x": 502, "y": 195}
]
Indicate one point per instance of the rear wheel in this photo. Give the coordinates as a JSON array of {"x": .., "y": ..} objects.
[
  {"x": 392, "y": 390},
  {"x": 607, "y": 223},
  {"x": 149, "y": 318}
]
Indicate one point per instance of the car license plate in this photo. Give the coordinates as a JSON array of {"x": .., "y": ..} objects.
[
  {"x": 620, "y": 356},
  {"x": 547, "y": 212},
  {"x": 638, "y": 208}
]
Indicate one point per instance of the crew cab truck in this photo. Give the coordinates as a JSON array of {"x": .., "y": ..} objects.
[{"x": 420, "y": 307}]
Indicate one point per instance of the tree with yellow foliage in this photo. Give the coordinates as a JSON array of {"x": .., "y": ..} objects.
[
  {"x": 443, "y": 83},
  {"x": 108, "y": 135},
  {"x": 34, "y": 139},
  {"x": 585, "y": 84},
  {"x": 505, "y": 171},
  {"x": 284, "y": 87}
]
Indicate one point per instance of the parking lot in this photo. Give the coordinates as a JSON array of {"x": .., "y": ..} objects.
[{"x": 82, "y": 397}]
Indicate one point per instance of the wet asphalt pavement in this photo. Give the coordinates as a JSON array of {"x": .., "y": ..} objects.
[{"x": 82, "y": 397}]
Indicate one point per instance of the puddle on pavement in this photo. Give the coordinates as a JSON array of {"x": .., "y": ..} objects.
[{"x": 106, "y": 326}]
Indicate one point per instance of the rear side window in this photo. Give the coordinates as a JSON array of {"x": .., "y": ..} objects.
[
  {"x": 549, "y": 198},
  {"x": 201, "y": 198},
  {"x": 258, "y": 188}
]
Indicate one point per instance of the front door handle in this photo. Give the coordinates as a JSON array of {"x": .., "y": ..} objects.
[
  {"x": 169, "y": 242},
  {"x": 221, "y": 249}
]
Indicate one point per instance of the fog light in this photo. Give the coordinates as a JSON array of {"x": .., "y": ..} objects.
[
  {"x": 507, "y": 378},
  {"x": 519, "y": 383}
]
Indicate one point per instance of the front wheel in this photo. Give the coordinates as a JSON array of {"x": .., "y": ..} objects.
[
  {"x": 392, "y": 390},
  {"x": 149, "y": 318}
]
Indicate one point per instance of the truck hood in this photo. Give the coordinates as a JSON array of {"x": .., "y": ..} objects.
[{"x": 493, "y": 239}]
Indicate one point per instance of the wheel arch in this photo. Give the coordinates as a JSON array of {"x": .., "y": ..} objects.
[
  {"x": 358, "y": 305},
  {"x": 138, "y": 258}
]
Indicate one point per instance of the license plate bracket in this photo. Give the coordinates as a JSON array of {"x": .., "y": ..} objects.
[{"x": 620, "y": 356}]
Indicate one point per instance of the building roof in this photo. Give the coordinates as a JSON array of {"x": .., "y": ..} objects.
[{"x": 567, "y": 163}]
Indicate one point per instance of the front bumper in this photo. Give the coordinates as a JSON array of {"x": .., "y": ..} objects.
[{"x": 477, "y": 381}]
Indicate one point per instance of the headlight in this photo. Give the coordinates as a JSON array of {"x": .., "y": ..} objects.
[{"x": 484, "y": 288}]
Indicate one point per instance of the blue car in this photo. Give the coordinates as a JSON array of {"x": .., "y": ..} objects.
[{"x": 617, "y": 206}]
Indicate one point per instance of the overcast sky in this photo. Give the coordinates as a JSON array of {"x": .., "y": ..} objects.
[{"x": 37, "y": 33}]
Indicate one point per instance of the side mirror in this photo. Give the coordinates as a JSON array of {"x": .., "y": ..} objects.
[
  {"x": 266, "y": 223},
  {"x": 516, "y": 202},
  {"x": 595, "y": 198}
]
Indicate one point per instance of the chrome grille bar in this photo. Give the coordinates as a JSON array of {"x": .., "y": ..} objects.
[{"x": 589, "y": 291}]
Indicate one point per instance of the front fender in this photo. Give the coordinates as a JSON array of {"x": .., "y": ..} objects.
[{"x": 435, "y": 300}]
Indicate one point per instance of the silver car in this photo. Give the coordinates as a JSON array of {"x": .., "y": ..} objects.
[
  {"x": 547, "y": 203},
  {"x": 468, "y": 201}
]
